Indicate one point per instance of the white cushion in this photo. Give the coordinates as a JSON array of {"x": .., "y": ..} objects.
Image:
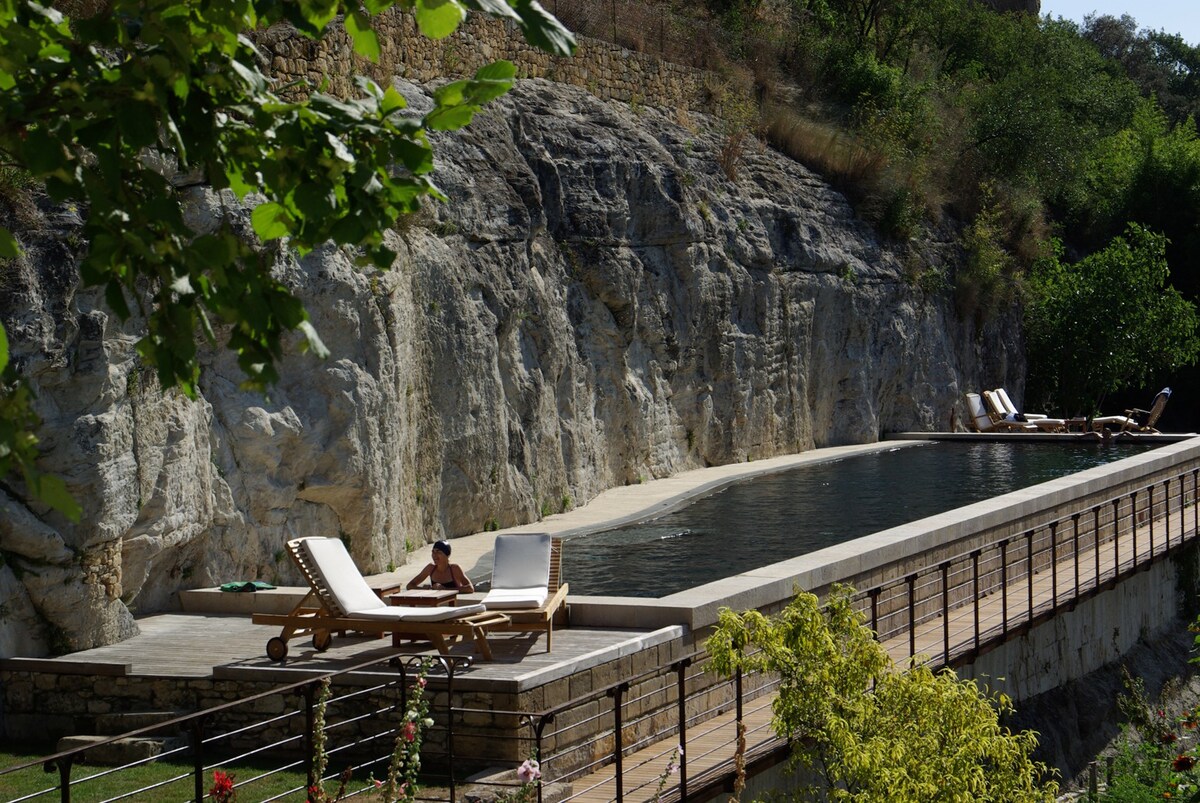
[
  {"x": 412, "y": 613},
  {"x": 516, "y": 597},
  {"x": 521, "y": 561},
  {"x": 336, "y": 569}
]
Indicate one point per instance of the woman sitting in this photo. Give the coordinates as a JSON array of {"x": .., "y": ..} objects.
[{"x": 443, "y": 575}]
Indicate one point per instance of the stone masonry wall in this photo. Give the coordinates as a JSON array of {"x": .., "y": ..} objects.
[
  {"x": 608, "y": 71},
  {"x": 489, "y": 726}
]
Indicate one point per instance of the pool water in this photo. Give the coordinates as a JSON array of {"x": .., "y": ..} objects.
[{"x": 778, "y": 516}]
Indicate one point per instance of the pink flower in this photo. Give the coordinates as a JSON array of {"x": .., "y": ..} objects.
[
  {"x": 409, "y": 731},
  {"x": 378, "y": 784},
  {"x": 529, "y": 771},
  {"x": 422, "y": 682}
]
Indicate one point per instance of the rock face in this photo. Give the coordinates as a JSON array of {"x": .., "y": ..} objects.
[{"x": 598, "y": 304}]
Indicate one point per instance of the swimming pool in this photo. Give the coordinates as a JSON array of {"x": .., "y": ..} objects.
[{"x": 779, "y": 516}]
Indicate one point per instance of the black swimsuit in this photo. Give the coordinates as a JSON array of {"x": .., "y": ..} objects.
[{"x": 445, "y": 584}]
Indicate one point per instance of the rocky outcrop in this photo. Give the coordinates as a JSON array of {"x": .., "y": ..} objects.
[{"x": 597, "y": 304}]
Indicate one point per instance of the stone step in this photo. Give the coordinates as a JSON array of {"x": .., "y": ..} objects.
[{"x": 121, "y": 751}]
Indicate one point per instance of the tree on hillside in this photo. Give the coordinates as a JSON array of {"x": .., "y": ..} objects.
[
  {"x": 105, "y": 111},
  {"x": 862, "y": 728},
  {"x": 1105, "y": 323},
  {"x": 1161, "y": 64}
]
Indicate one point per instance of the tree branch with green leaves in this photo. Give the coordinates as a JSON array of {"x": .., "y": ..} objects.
[
  {"x": 108, "y": 111},
  {"x": 866, "y": 729}
]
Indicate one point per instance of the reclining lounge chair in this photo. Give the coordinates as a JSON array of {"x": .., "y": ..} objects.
[
  {"x": 983, "y": 421},
  {"x": 1000, "y": 404},
  {"x": 526, "y": 574},
  {"x": 1151, "y": 416},
  {"x": 340, "y": 599}
]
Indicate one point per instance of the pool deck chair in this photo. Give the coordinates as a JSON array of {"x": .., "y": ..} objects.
[
  {"x": 340, "y": 599},
  {"x": 1152, "y": 415},
  {"x": 983, "y": 421},
  {"x": 526, "y": 583},
  {"x": 999, "y": 404}
]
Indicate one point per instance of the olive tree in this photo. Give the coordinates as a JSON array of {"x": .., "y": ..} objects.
[
  {"x": 104, "y": 109},
  {"x": 865, "y": 729},
  {"x": 1105, "y": 323}
]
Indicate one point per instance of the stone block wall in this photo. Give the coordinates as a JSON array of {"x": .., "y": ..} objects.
[
  {"x": 491, "y": 719},
  {"x": 608, "y": 71}
]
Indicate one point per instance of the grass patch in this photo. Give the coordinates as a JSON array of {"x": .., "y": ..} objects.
[{"x": 122, "y": 782}]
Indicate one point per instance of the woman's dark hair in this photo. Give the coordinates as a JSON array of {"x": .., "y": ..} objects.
[{"x": 443, "y": 547}]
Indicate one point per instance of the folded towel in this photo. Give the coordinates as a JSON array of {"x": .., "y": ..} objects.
[{"x": 246, "y": 585}]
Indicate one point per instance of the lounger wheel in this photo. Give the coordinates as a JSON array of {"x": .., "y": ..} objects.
[
  {"x": 322, "y": 640},
  {"x": 277, "y": 649}
]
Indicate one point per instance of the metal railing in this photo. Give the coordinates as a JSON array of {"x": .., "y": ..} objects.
[
  {"x": 361, "y": 725},
  {"x": 1034, "y": 573}
]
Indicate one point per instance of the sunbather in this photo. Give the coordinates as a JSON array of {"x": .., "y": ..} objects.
[{"x": 442, "y": 574}]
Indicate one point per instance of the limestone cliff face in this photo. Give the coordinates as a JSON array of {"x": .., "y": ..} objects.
[{"x": 598, "y": 304}]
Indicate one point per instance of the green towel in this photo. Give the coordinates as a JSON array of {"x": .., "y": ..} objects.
[{"x": 251, "y": 585}]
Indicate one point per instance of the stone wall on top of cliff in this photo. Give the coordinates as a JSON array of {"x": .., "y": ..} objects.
[{"x": 597, "y": 304}]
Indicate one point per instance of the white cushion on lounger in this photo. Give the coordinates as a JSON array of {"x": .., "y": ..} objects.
[
  {"x": 329, "y": 558},
  {"x": 346, "y": 585},
  {"x": 410, "y": 613},
  {"x": 520, "y": 571},
  {"x": 516, "y": 597}
]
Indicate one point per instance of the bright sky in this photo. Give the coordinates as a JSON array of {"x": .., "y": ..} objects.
[{"x": 1173, "y": 16}]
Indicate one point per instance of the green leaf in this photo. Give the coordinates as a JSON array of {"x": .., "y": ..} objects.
[
  {"x": 543, "y": 31},
  {"x": 392, "y": 100},
  {"x": 9, "y": 247},
  {"x": 270, "y": 221},
  {"x": 366, "y": 43},
  {"x": 450, "y": 118},
  {"x": 494, "y": 8},
  {"x": 438, "y": 19},
  {"x": 3, "y": 349}
]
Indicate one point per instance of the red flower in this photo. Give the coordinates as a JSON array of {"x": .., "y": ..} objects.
[
  {"x": 1183, "y": 763},
  {"x": 409, "y": 731},
  {"x": 222, "y": 788},
  {"x": 1168, "y": 737}
]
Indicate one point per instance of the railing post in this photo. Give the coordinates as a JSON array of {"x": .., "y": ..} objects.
[
  {"x": 1167, "y": 511},
  {"x": 1029, "y": 571},
  {"x": 1116, "y": 505},
  {"x": 543, "y": 721},
  {"x": 196, "y": 739},
  {"x": 946, "y": 612},
  {"x": 681, "y": 681},
  {"x": 616, "y": 692},
  {"x": 1096, "y": 537},
  {"x": 1133, "y": 527},
  {"x": 1053, "y": 568},
  {"x": 450, "y": 665},
  {"x": 309, "y": 718},
  {"x": 1075, "y": 549},
  {"x": 1004, "y": 587},
  {"x": 975, "y": 592},
  {"x": 874, "y": 595},
  {"x": 64, "y": 777},
  {"x": 1196, "y": 500},
  {"x": 912, "y": 616}
]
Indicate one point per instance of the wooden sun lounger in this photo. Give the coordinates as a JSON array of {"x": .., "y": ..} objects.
[
  {"x": 339, "y": 599},
  {"x": 506, "y": 595}
]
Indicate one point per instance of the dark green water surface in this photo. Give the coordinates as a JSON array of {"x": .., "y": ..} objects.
[{"x": 779, "y": 516}]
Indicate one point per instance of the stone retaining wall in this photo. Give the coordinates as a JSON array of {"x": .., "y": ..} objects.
[
  {"x": 606, "y": 70},
  {"x": 491, "y": 718}
]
